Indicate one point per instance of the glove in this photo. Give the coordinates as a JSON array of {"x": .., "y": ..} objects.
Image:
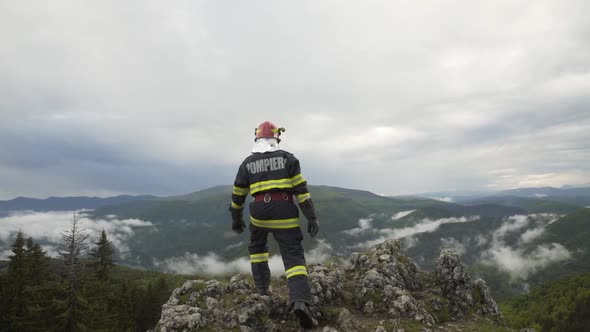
[
  {"x": 238, "y": 225},
  {"x": 313, "y": 226}
]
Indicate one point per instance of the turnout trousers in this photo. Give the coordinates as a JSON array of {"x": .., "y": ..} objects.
[{"x": 289, "y": 241}]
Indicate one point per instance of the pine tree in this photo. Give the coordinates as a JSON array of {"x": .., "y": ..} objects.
[
  {"x": 103, "y": 256},
  {"x": 39, "y": 291},
  {"x": 99, "y": 310},
  {"x": 36, "y": 262},
  {"x": 17, "y": 279},
  {"x": 125, "y": 305},
  {"x": 4, "y": 303},
  {"x": 71, "y": 249}
]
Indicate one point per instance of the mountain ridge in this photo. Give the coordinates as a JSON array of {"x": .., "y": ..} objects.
[
  {"x": 66, "y": 203},
  {"x": 60, "y": 203}
]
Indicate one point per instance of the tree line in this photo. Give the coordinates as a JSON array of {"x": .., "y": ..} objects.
[
  {"x": 558, "y": 306},
  {"x": 82, "y": 291}
]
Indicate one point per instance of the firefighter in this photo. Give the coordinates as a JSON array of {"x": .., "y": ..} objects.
[{"x": 273, "y": 177}]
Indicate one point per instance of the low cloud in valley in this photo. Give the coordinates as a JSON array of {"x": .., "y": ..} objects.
[
  {"x": 213, "y": 264},
  {"x": 46, "y": 228},
  {"x": 426, "y": 225},
  {"x": 519, "y": 259}
]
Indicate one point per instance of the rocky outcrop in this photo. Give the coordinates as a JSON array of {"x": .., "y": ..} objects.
[
  {"x": 464, "y": 295},
  {"x": 455, "y": 282},
  {"x": 384, "y": 279},
  {"x": 486, "y": 307},
  {"x": 327, "y": 284},
  {"x": 380, "y": 290}
]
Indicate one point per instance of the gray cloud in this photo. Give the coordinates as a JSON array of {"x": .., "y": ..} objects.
[{"x": 143, "y": 97}]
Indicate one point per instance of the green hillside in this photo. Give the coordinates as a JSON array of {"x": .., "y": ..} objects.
[
  {"x": 200, "y": 222},
  {"x": 573, "y": 232},
  {"x": 562, "y": 305}
]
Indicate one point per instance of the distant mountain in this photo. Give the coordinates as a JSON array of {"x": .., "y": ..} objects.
[
  {"x": 576, "y": 196},
  {"x": 65, "y": 203},
  {"x": 510, "y": 240},
  {"x": 547, "y": 192},
  {"x": 573, "y": 196},
  {"x": 529, "y": 204}
]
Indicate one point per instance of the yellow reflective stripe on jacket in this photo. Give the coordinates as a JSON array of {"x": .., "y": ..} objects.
[
  {"x": 240, "y": 191},
  {"x": 236, "y": 206},
  {"x": 303, "y": 197},
  {"x": 259, "y": 258},
  {"x": 270, "y": 184},
  {"x": 275, "y": 223},
  {"x": 297, "y": 179},
  {"x": 297, "y": 270},
  {"x": 284, "y": 183}
]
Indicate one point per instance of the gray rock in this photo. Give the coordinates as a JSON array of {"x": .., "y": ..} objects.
[
  {"x": 345, "y": 321},
  {"x": 402, "y": 304},
  {"x": 326, "y": 284},
  {"x": 455, "y": 282},
  {"x": 329, "y": 329},
  {"x": 383, "y": 265},
  {"x": 383, "y": 283},
  {"x": 239, "y": 284},
  {"x": 369, "y": 307},
  {"x": 384, "y": 258},
  {"x": 181, "y": 317},
  {"x": 212, "y": 303},
  {"x": 244, "y": 328},
  {"x": 487, "y": 306}
]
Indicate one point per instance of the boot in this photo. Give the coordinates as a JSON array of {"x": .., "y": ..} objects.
[{"x": 302, "y": 312}]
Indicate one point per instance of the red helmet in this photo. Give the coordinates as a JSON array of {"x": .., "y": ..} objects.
[{"x": 268, "y": 129}]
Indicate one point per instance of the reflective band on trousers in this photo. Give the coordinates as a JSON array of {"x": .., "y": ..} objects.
[
  {"x": 303, "y": 197},
  {"x": 236, "y": 206},
  {"x": 259, "y": 258},
  {"x": 275, "y": 223},
  {"x": 240, "y": 191},
  {"x": 297, "y": 270}
]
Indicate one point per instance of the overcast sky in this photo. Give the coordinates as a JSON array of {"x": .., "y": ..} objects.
[{"x": 395, "y": 97}]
